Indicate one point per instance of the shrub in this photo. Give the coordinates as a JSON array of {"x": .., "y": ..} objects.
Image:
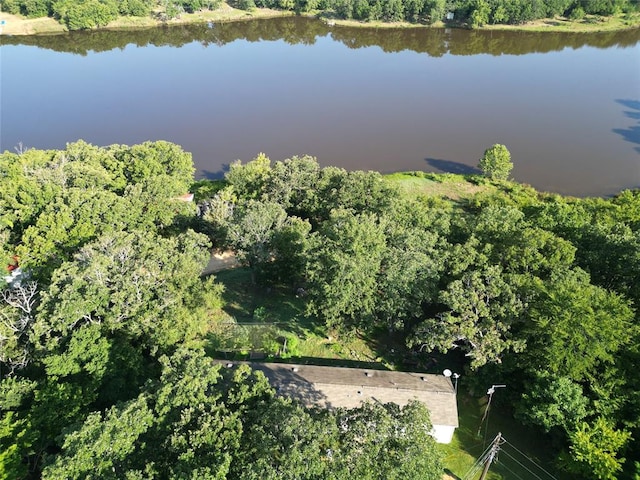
[
  {"x": 10, "y": 6},
  {"x": 496, "y": 162},
  {"x": 135, "y": 8},
  {"x": 245, "y": 4},
  {"x": 86, "y": 14},
  {"x": 577, "y": 13},
  {"x": 36, "y": 8}
]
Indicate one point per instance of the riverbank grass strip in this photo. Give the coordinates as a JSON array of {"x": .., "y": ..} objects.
[{"x": 17, "y": 25}]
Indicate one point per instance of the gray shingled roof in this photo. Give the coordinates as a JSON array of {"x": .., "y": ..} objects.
[{"x": 333, "y": 387}]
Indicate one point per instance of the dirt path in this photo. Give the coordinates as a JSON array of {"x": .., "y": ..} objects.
[
  {"x": 14, "y": 25},
  {"x": 221, "y": 261}
]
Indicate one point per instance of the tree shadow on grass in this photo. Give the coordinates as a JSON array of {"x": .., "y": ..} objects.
[
  {"x": 279, "y": 303},
  {"x": 391, "y": 348},
  {"x": 449, "y": 166},
  {"x": 451, "y": 475}
]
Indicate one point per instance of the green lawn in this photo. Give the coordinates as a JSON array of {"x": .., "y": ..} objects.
[
  {"x": 446, "y": 185},
  {"x": 279, "y": 309},
  {"x": 459, "y": 188}
]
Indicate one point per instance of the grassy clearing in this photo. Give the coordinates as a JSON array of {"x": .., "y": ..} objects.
[
  {"x": 242, "y": 299},
  {"x": 591, "y": 23},
  {"x": 16, "y": 25},
  {"x": 446, "y": 185},
  {"x": 330, "y": 18},
  {"x": 280, "y": 308},
  {"x": 223, "y": 14},
  {"x": 258, "y": 309},
  {"x": 459, "y": 188}
]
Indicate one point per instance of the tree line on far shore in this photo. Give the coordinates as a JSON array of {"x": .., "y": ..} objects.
[
  {"x": 434, "y": 42},
  {"x": 88, "y": 14},
  {"x": 474, "y": 13}
]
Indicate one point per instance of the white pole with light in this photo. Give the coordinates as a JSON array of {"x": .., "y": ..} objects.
[
  {"x": 490, "y": 392},
  {"x": 448, "y": 373}
]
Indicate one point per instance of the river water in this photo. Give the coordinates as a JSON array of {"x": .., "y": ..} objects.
[{"x": 566, "y": 105}]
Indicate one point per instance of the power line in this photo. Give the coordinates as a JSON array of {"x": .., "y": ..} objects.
[
  {"x": 477, "y": 466},
  {"x": 528, "y": 458},
  {"x": 502, "y": 464},
  {"x": 491, "y": 452},
  {"x": 471, "y": 474},
  {"x": 521, "y": 464},
  {"x": 485, "y": 460}
]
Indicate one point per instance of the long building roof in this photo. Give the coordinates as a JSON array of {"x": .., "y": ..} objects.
[{"x": 334, "y": 387}]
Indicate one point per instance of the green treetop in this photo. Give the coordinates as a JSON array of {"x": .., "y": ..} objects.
[{"x": 496, "y": 162}]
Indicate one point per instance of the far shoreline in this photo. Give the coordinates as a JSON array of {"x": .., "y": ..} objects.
[{"x": 17, "y": 26}]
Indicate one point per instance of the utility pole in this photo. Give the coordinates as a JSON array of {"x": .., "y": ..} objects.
[
  {"x": 495, "y": 448},
  {"x": 490, "y": 392}
]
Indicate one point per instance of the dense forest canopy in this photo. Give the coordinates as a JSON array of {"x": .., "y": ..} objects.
[
  {"x": 87, "y": 14},
  {"x": 102, "y": 328},
  {"x": 103, "y": 373},
  {"x": 538, "y": 290}
]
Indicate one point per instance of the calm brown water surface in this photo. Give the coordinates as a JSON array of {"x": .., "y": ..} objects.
[{"x": 566, "y": 105}]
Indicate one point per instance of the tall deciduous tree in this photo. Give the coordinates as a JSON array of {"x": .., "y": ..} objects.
[
  {"x": 594, "y": 450},
  {"x": 480, "y": 11},
  {"x": 286, "y": 441},
  {"x": 293, "y": 183},
  {"x": 413, "y": 260},
  {"x": 261, "y": 233},
  {"x": 575, "y": 326},
  {"x": 188, "y": 424},
  {"x": 496, "y": 162},
  {"x": 374, "y": 441},
  {"x": 385, "y": 442},
  {"x": 517, "y": 246},
  {"x": 105, "y": 444},
  {"x": 248, "y": 180},
  {"x": 552, "y": 402},
  {"x": 482, "y": 308},
  {"x": 136, "y": 283},
  {"x": 343, "y": 267},
  {"x": 17, "y": 313},
  {"x": 16, "y": 436}
]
